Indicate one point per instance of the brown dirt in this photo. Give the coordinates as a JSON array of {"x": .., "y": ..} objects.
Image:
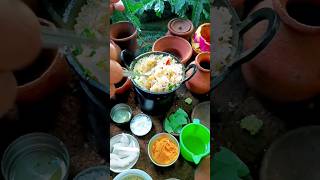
[{"x": 233, "y": 100}]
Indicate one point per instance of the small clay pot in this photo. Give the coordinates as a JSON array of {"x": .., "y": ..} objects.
[
  {"x": 200, "y": 82},
  {"x": 201, "y": 39},
  {"x": 174, "y": 45},
  {"x": 48, "y": 72},
  {"x": 123, "y": 86},
  {"x": 180, "y": 27},
  {"x": 124, "y": 34}
]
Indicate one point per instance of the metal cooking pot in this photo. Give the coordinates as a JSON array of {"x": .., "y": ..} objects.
[
  {"x": 239, "y": 28},
  {"x": 151, "y": 102}
]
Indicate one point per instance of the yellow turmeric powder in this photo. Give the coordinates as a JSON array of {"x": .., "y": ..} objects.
[{"x": 164, "y": 151}]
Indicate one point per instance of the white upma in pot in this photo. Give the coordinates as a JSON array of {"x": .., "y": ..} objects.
[{"x": 164, "y": 73}]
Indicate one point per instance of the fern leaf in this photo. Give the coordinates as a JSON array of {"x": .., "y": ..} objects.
[{"x": 196, "y": 13}]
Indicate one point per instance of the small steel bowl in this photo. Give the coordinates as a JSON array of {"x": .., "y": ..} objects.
[
  {"x": 93, "y": 173},
  {"x": 31, "y": 144},
  {"x": 133, "y": 172},
  {"x": 118, "y": 107},
  {"x": 153, "y": 139}
]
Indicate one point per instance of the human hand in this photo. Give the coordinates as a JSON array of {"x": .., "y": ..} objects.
[
  {"x": 19, "y": 47},
  {"x": 115, "y": 68},
  {"x": 116, "y": 72},
  {"x": 116, "y": 5}
]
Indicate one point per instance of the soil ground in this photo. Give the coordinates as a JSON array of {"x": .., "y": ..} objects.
[{"x": 233, "y": 100}]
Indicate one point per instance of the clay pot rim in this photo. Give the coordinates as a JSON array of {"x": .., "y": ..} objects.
[
  {"x": 197, "y": 61},
  {"x": 52, "y": 64},
  {"x": 288, "y": 20},
  {"x": 190, "y": 51},
  {"x": 178, "y": 33},
  {"x": 56, "y": 58},
  {"x": 127, "y": 83},
  {"x": 134, "y": 34}
]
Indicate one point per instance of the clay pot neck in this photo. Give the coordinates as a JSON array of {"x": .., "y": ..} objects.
[
  {"x": 297, "y": 14},
  {"x": 203, "y": 62}
]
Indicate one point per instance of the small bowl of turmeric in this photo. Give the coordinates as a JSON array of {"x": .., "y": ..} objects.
[{"x": 163, "y": 149}]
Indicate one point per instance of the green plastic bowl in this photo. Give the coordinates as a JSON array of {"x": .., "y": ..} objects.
[{"x": 194, "y": 141}]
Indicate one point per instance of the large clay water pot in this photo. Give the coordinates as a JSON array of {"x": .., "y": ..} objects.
[{"x": 288, "y": 69}]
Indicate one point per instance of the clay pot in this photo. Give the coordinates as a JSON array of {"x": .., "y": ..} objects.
[
  {"x": 200, "y": 82},
  {"x": 124, "y": 34},
  {"x": 123, "y": 86},
  {"x": 115, "y": 51},
  {"x": 288, "y": 69},
  {"x": 34, "y": 5},
  {"x": 174, "y": 45},
  {"x": 201, "y": 39},
  {"x": 180, "y": 27},
  {"x": 47, "y": 73}
]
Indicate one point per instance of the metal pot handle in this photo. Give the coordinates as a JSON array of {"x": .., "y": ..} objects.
[
  {"x": 190, "y": 66},
  {"x": 127, "y": 57},
  {"x": 253, "y": 19}
]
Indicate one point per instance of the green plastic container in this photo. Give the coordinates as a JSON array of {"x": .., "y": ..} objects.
[{"x": 194, "y": 141}]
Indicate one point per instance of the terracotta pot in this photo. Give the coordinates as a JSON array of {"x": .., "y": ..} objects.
[
  {"x": 34, "y": 5},
  {"x": 200, "y": 82},
  {"x": 123, "y": 86},
  {"x": 174, "y": 45},
  {"x": 180, "y": 27},
  {"x": 115, "y": 51},
  {"x": 201, "y": 39},
  {"x": 124, "y": 34},
  {"x": 49, "y": 72},
  {"x": 288, "y": 69}
]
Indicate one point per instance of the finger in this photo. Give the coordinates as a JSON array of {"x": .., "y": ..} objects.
[
  {"x": 112, "y": 90},
  {"x": 119, "y": 6},
  {"x": 116, "y": 72}
]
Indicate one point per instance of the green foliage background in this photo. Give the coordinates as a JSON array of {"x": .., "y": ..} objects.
[{"x": 195, "y": 10}]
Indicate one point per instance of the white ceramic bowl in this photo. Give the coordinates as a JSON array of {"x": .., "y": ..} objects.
[
  {"x": 113, "y": 140},
  {"x": 157, "y": 136},
  {"x": 136, "y": 172}
]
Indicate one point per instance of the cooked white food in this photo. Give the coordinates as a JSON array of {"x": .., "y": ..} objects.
[{"x": 163, "y": 73}]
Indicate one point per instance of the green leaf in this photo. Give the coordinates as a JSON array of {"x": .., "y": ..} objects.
[
  {"x": 175, "y": 124},
  {"x": 181, "y": 119},
  {"x": 178, "y": 5},
  {"x": 77, "y": 51},
  {"x": 227, "y": 165},
  {"x": 167, "y": 126},
  {"x": 88, "y": 33},
  {"x": 87, "y": 73},
  {"x": 206, "y": 14},
  {"x": 188, "y": 101},
  {"x": 182, "y": 112},
  {"x": 252, "y": 124},
  {"x": 196, "y": 13},
  {"x": 159, "y": 7}
]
